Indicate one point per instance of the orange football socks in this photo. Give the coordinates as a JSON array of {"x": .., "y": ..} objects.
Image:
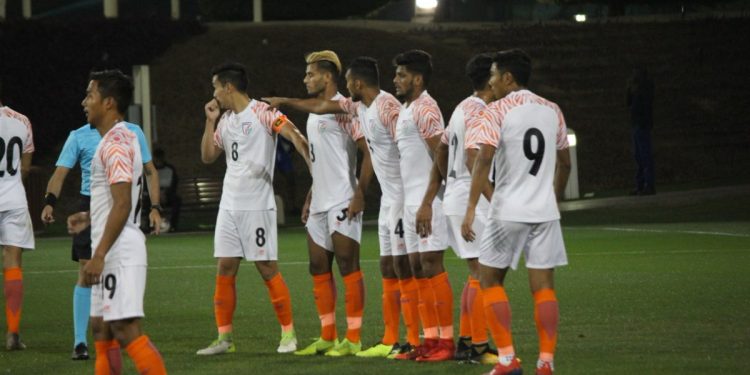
[
  {"x": 13, "y": 288},
  {"x": 355, "y": 304},
  {"x": 443, "y": 292},
  {"x": 427, "y": 311},
  {"x": 464, "y": 319},
  {"x": 225, "y": 300},
  {"x": 391, "y": 311},
  {"x": 497, "y": 311},
  {"x": 281, "y": 301},
  {"x": 409, "y": 308},
  {"x": 146, "y": 357},
  {"x": 476, "y": 312},
  {"x": 324, "y": 290},
  {"x": 108, "y": 358},
  {"x": 546, "y": 315}
]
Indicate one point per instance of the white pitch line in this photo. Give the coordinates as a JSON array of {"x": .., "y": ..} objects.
[
  {"x": 656, "y": 252},
  {"x": 304, "y": 263},
  {"x": 616, "y": 229},
  {"x": 298, "y": 263}
]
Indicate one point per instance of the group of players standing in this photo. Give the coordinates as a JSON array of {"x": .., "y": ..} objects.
[{"x": 437, "y": 192}]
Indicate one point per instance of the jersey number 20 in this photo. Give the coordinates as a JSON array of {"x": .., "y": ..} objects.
[{"x": 15, "y": 141}]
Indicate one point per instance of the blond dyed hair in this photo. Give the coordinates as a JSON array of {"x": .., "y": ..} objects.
[{"x": 325, "y": 55}]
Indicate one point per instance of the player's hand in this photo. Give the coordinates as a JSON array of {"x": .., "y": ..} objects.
[
  {"x": 78, "y": 221},
  {"x": 47, "y": 217},
  {"x": 424, "y": 221},
  {"x": 92, "y": 271},
  {"x": 154, "y": 221},
  {"x": 356, "y": 206},
  {"x": 213, "y": 111},
  {"x": 305, "y": 210},
  {"x": 466, "y": 228},
  {"x": 273, "y": 101}
]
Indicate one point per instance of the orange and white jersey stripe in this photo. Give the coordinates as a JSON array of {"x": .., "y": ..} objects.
[
  {"x": 378, "y": 124},
  {"x": 419, "y": 120},
  {"x": 16, "y": 138},
  {"x": 249, "y": 143},
  {"x": 527, "y": 130},
  {"x": 333, "y": 153},
  {"x": 117, "y": 160},
  {"x": 458, "y": 182}
]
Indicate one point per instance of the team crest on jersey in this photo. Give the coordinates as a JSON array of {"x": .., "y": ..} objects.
[
  {"x": 247, "y": 127},
  {"x": 322, "y": 126}
]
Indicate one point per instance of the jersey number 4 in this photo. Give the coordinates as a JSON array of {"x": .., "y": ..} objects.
[{"x": 15, "y": 141}]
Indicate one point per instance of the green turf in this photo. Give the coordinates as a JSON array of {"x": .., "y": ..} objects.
[{"x": 661, "y": 298}]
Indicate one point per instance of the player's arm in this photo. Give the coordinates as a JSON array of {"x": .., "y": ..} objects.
[
  {"x": 152, "y": 177},
  {"x": 357, "y": 204},
  {"x": 478, "y": 181},
  {"x": 471, "y": 157},
  {"x": 306, "y": 207},
  {"x": 116, "y": 219},
  {"x": 209, "y": 150},
  {"x": 289, "y": 131},
  {"x": 309, "y": 105},
  {"x": 54, "y": 188},
  {"x": 424, "y": 214},
  {"x": 433, "y": 142},
  {"x": 562, "y": 172},
  {"x": 25, "y": 165}
]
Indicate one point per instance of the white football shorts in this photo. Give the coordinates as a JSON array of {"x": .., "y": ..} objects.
[
  {"x": 541, "y": 244},
  {"x": 119, "y": 294},
  {"x": 463, "y": 249},
  {"x": 321, "y": 225},
  {"x": 246, "y": 234},
  {"x": 439, "y": 239},
  {"x": 16, "y": 229},
  {"x": 391, "y": 231}
]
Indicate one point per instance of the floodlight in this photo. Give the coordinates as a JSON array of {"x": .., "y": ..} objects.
[
  {"x": 580, "y": 18},
  {"x": 427, "y": 4},
  {"x": 572, "y": 140}
]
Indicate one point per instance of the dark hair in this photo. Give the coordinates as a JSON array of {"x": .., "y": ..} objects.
[
  {"x": 231, "y": 72},
  {"x": 515, "y": 61},
  {"x": 366, "y": 69},
  {"x": 478, "y": 70},
  {"x": 327, "y": 66},
  {"x": 416, "y": 61},
  {"x": 116, "y": 85}
]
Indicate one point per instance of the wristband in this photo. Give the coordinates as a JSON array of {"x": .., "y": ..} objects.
[
  {"x": 279, "y": 123},
  {"x": 50, "y": 199},
  {"x": 156, "y": 207}
]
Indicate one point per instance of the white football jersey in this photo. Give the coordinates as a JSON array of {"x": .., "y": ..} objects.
[
  {"x": 249, "y": 143},
  {"x": 118, "y": 160},
  {"x": 16, "y": 138},
  {"x": 333, "y": 153},
  {"x": 458, "y": 183},
  {"x": 527, "y": 131},
  {"x": 378, "y": 123},
  {"x": 419, "y": 120}
]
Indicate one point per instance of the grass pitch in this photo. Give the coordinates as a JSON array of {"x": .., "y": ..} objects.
[{"x": 666, "y": 297}]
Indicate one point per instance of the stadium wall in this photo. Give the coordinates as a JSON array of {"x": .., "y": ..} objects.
[{"x": 700, "y": 132}]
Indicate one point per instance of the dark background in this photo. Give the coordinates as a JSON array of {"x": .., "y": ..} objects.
[{"x": 697, "y": 59}]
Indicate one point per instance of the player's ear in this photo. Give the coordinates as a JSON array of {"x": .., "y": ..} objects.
[
  {"x": 418, "y": 80},
  {"x": 109, "y": 102}
]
